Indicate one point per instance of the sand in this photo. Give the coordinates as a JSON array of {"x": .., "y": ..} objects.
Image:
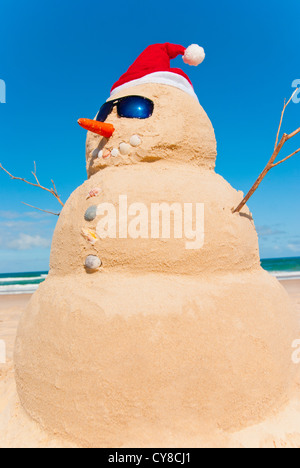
[
  {"x": 150, "y": 347},
  {"x": 11, "y": 308},
  {"x": 18, "y": 431},
  {"x": 164, "y": 345}
]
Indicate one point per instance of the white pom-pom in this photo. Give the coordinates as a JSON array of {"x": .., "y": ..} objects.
[{"x": 194, "y": 55}]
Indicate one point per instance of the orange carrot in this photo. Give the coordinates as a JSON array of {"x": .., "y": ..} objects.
[{"x": 100, "y": 128}]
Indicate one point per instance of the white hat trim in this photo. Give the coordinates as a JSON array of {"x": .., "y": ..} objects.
[{"x": 167, "y": 78}]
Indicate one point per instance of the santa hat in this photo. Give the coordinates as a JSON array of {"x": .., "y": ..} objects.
[{"x": 153, "y": 66}]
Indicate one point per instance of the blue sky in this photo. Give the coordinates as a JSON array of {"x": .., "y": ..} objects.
[{"x": 59, "y": 60}]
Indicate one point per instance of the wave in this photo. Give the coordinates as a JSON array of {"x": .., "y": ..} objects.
[
  {"x": 286, "y": 275},
  {"x": 27, "y": 278},
  {"x": 28, "y": 283},
  {"x": 18, "y": 289}
]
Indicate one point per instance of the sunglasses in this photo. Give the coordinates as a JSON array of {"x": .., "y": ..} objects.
[{"x": 130, "y": 107}]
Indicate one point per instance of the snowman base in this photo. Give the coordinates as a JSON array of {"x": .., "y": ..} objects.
[{"x": 158, "y": 360}]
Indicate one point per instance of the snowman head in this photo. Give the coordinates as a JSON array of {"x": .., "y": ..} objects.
[{"x": 152, "y": 114}]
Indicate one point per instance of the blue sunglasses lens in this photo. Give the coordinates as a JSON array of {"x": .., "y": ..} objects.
[
  {"x": 131, "y": 107},
  {"x": 105, "y": 111},
  {"x": 135, "y": 107}
]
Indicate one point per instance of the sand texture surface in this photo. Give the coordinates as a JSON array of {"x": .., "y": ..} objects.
[
  {"x": 17, "y": 430},
  {"x": 142, "y": 339}
]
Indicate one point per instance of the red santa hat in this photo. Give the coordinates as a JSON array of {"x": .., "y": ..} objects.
[{"x": 153, "y": 66}]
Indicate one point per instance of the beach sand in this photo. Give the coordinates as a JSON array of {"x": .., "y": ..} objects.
[
  {"x": 16, "y": 430},
  {"x": 11, "y": 308}
]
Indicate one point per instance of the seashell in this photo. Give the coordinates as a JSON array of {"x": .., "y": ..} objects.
[
  {"x": 91, "y": 213},
  {"x": 89, "y": 235},
  {"x": 114, "y": 152},
  {"x": 135, "y": 140},
  {"x": 106, "y": 154},
  {"x": 100, "y": 154},
  {"x": 124, "y": 148},
  {"x": 92, "y": 262},
  {"x": 94, "y": 193}
]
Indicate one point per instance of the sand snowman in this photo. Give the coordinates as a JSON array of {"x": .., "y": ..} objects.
[{"x": 137, "y": 340}]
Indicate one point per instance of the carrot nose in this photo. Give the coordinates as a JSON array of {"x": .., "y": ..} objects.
[{"x": 100, "y": 128}]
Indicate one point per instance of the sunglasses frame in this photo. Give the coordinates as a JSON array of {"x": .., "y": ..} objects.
[{"x": 115, "y": 103}]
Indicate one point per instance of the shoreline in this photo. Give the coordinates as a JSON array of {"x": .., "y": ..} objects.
[
  {"x": 288, "y": 282},
  {"x": 13, "y": 284},
  {"x": 13, "y": 305}
]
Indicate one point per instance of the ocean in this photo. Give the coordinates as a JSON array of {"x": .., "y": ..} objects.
[
  {"x": 21, "y": 283},
  {"x": 27, "y": 283},
  {"x": 283, "y": 268}
]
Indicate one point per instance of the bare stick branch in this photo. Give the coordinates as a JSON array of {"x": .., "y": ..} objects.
[
  {"x": 285, "y": 159},
  {"x": 44, "y": 211},
  {"x": 280, "y": 124},
  {"x": 282, "y": 115},
  {"x": 34, "y": 174},
  {"x": 54, "y": 186},
  {"x": 271, "y": 164},
  {"x": 253, "y": 189},
  {"x": 37, "y": 184},
  {"x": 291, "y": 135}
]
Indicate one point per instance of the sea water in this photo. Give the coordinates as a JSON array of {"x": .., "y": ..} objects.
[{"x": 27, "y": 283}]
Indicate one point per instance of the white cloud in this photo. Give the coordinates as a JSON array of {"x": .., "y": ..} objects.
[
  {"x": 28, "y": 242},
  {"x": 19, "y": 225},
  {"x": 267, "y": 231},
  {"x": 13, "y": 215},
  {"x": 9, "y": 214},
  {"x": 294, "y": 247}
]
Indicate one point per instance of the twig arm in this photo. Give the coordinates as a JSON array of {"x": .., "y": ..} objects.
[
  {"x": 282, "y": 115},
  {"x": 271, "y": 164},
  {"x": 291, "y": 135},
  {"x": 286, "y": 159},
  {"x": 39, "y": 209},
  {"x": 52, "y": 191},
  {"x": 253, "y": 189}
]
